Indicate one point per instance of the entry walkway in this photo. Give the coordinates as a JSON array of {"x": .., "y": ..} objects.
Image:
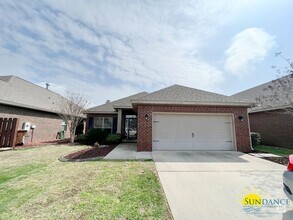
[{"x": 128, "y": 151}]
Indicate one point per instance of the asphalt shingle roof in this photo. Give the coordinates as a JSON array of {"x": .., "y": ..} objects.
[
  {"x": 120, "y": 103},
  {"x": 259, "y": 91},
  {"x": 178, "y": 94},
  {"x": 252, "y": 93},
  {"x": 19, "y": 92}
]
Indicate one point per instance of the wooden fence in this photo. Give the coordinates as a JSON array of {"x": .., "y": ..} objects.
[{"x": 8, "y": 131}]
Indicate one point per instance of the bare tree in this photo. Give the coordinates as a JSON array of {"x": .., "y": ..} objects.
[
  {"x": 71, "y": 111},
  {"x": 278, "y": 95}
]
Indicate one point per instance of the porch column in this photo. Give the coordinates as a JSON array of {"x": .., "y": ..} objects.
[{"x": 119, "y": 120}]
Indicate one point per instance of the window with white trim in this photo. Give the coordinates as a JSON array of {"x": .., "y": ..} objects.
[{"x": 103, "y": 122}]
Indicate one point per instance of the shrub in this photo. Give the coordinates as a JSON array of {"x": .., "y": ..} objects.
[
  {"x": 96, "y": 135},
  {"x": 83, "y": 138},
  {"x": 113, "y": 138},
  {"x": 255, "y": 138},
  {"x": 79, "y": 129}
]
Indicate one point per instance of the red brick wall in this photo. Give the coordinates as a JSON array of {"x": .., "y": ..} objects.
[
  {"x": 48, "y": 124},
  {"x": 276, "y": 129},
  {"x": 144, "y": 140}
]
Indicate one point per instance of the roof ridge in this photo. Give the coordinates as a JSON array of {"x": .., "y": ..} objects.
[
  {"x": 184, "y": 94},
  {"x": 117, "y": 100},
  {"x": 187, "y": 87},
  {"x": 14, "y": 76},
  {"x": 48, "y": 90},
  {"x": 16, "y": 90},
  {"x": 124, "y": 98}
]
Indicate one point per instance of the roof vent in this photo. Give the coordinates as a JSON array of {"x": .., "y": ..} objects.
[
  {"x": 47, "y": 85},
  {"x": 108, "y": 101}
]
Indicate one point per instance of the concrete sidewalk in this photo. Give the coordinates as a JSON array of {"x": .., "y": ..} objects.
[{"x": 128, "y": 151}]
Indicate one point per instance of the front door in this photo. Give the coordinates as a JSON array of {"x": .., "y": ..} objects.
[{"x": 130, "y": 127}]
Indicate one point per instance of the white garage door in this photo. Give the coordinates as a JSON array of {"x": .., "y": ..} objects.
[{"x": 192, "y": 132}]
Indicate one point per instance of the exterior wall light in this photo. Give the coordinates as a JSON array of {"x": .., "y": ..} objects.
[
  {"x": 241, "y": 118},
  {"x": 146, "y": 117}
]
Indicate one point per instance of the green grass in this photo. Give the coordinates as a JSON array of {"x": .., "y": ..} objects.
[
  {"x": 18, "y": 172},
  {"x": 35, "y": 185},
  {"x": 274, "y": 150},
  {"x": 137, "y": 196}
]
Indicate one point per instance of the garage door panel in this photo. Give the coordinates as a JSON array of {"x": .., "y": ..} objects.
[
  {"x": 213, "y": 145},
  {"x": 213, "y": 135},
  {"x": 192, "y": 132},
  {"x": 167, "y": 145},
  {"x": 167, "y": 134}
]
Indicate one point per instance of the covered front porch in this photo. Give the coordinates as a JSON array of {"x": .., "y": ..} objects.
[
  {"x": 123, "y": 121},
  {"x": 127, "y": 123}
]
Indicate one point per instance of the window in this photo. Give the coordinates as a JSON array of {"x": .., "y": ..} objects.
[
  {"x": 98, "y": 122},
  {"x": 103, "y": 122},
  {"x": 107, "y": 123}
]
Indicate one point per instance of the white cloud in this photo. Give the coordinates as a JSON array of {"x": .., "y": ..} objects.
[
  {"x": 114, "y": 46},
  {"x": 153, "y": 50},
  {"x": 247, "y": 48}
]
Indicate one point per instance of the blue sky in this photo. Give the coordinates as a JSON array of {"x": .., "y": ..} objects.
[{"x": 111, "y": 49}]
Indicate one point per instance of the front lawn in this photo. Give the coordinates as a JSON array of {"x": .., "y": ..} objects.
[
  {"x": 35, "y": 185},
  {"x": 274, "y": 150}
]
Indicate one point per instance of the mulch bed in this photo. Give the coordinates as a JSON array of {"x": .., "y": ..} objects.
[
  {"x": 90, "y": 153},
  {"x": 280, "y": 160}
]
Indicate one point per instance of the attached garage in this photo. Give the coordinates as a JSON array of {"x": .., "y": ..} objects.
[
  {"x": 179, "y": 131},
  {"x": 182, "y": 118}
]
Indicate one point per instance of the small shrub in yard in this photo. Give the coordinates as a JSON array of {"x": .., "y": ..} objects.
[
  {"x": 97, "y": 135},
  {"x": 113, "y": 138},
  {"x": 255, "y": 138},
  {"x": 83, "y": 138}
]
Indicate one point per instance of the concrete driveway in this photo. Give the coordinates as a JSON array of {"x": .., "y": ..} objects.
[{"x": 211, "y": 185}]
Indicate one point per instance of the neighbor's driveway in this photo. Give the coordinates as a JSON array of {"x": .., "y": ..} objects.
[{"x": 211, "y": 185}]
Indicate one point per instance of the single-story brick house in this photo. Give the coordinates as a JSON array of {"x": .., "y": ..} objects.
[
  {"x": 275, "y": 127},
  {"x": 31, "y": 103},
  {"x": 177, "y": 118}
]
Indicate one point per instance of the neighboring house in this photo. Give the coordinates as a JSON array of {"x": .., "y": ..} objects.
[
  {"x": 31, "y": 103},
  {"x": 275, "y": 127},
  {"x": 177, "y": 118}
]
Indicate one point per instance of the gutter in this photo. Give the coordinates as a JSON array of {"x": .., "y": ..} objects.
[
  {"x": 31, "y": 107},
  {"x": 269, "y": 109},
  {"x": 27, "y": 106},
  {"x": 99, "y": 112}
]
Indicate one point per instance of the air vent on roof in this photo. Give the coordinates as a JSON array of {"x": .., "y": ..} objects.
[
  {"x": 108, "y": 101},
  {"x": 47, "y": 85}
]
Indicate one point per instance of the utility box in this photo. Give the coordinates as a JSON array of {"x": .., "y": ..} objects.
[{"x": 26, "y": 126}]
